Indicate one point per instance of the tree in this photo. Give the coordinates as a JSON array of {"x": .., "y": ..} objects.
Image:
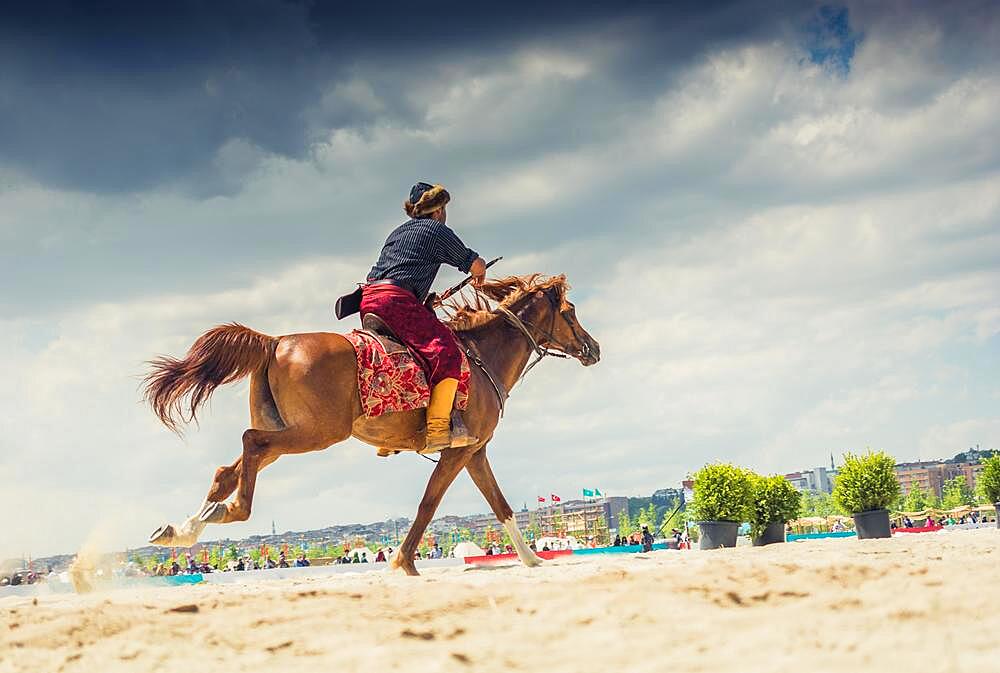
[
  {"x": 673, "y": 517},
  {"x": 558, "y": 524},
  {"x": 957, "y": 492},
  {"x": 815, "y": 503},
  {"x": 652, "y": 517},
  {"x": 600, "y": 531},
  {"x": 917, "y": 499},
  {"x": 533, "y": 531},
  {"x": 625, "y": 525},
  {"x": 647, "y": 517}
]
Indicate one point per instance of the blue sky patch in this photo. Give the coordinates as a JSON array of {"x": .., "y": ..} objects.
[{"x": 829, "y": 39}]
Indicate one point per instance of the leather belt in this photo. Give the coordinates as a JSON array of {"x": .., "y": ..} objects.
[
  {"x": 394, "y": 283},
  {"x": 388, "y": 281}
]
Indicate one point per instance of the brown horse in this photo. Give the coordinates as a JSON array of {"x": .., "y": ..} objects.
[{"x": 304, "y": 397}]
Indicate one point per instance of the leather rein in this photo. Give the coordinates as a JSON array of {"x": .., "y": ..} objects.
[{"x": 540, "y": 351}]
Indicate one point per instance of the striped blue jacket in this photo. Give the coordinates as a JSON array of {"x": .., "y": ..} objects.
[{"x": 415, "y": 251}]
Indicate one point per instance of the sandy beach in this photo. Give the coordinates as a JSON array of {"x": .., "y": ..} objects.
[{"x": 908, "y": 603}]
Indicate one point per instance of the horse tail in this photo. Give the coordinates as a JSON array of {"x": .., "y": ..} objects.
[{"x": 175, "y": 389}]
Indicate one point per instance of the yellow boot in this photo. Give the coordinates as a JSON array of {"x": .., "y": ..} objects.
[{"x": 439, "y": 416}]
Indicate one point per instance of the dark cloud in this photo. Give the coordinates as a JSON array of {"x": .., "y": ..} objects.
[
  {"x": 118, "y": 97},
  {"x": 122, "y": 100}
]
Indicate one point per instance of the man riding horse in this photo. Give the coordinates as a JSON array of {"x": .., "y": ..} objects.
[
  {"x": 305, "y": 389},
  {"x": 397, "y": 288}
]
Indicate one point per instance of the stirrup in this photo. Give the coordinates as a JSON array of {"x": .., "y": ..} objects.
[
  {"x": 459, "y": 433},
  {"x": 459, "y": 436},
  {"x": 457, "y": 441}
]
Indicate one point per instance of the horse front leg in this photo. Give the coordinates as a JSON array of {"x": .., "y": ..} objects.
[
  {"x": 481, "y": 473},
  {"x": 450, "y": 464}
]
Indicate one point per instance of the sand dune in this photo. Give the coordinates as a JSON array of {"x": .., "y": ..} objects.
[{"x": 923, "y": 602}]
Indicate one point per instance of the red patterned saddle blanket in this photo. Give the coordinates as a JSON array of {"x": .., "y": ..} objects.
[{"x": 391, "y": 380}]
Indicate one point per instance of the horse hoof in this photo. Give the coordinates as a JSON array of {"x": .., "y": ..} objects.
[
  {"x": 213, "y": 512},
  {"x": 396, "y": 563},
  {"x": 162, "y": 536},
  {"x": 533, "y": 561}
]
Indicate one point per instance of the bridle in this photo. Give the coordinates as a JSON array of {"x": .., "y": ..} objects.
[{"x": 540, "y": 351}]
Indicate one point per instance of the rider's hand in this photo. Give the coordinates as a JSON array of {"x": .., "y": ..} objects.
[{"x": 478, "y": 272}]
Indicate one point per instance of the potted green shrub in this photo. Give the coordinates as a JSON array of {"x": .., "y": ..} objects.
[
  {"x": 866, "y": 486},
  {"x": 989, "y": 483},
  {"x": 721, "y": 501},
  {"x": 773, "y": 503}
]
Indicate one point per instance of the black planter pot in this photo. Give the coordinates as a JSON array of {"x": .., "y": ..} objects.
[
  {"x": 874, "y": 524},
  {"x": 715, "y": 534},
  {"x": 996, "y": 506},
  {"x": 775, "y": 532}
]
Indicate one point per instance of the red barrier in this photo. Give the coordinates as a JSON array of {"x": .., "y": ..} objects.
[
  {"x": 496, "y": 558},
  {"x": 918, "y": 529}
]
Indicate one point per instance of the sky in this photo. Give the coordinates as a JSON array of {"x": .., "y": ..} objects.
[{"x": 781, "y": 221}]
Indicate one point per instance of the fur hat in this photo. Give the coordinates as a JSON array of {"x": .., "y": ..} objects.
[{"x": 425, "y": 199}]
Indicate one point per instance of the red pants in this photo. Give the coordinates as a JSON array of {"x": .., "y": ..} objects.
[{"x": 433, "y": 344}]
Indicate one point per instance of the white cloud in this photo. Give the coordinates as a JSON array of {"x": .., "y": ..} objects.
[{"x": 957, "y": 435}]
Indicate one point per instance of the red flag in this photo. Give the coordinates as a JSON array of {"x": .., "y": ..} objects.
[
  {"x": 556, "y": 498},
  {"x": 541, "y": 499}
]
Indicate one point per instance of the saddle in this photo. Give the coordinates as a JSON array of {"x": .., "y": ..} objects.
[{"x": 376, "y": 327}]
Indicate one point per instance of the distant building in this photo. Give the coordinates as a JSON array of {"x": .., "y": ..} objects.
[
  {"x": 687, "y": 491},
  {"x": 582, "y": 515},
  {"x": 818, "y": 479},
  {"x": 931, "y": 475},
  {"x": 928, "y": 475},
  {"x": 568, "y": 516}
]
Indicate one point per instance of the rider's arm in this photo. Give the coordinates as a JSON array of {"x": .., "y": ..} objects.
[
  {"x": 448, "y": 249},
  {"x": 478, "y": 271}
]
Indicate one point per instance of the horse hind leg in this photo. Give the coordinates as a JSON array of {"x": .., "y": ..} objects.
[
  {"x": 481, "y": 473},
  {"x": 263, "y": 414},
  {"x": 187, "y": 533},
  {"x": 260, "y": 449}
]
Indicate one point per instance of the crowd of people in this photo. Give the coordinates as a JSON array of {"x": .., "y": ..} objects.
[
  {"x": 191, "y": 566},
  {"x": 642, "y": 538},
  {"x": 942, "y": 521},
  {"x": 19, "y": 577}
]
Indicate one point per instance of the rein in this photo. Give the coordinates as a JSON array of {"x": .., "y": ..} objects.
[{"x": 540, "y": 351}]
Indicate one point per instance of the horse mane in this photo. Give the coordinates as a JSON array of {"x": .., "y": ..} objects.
[{"x": 468, "y": 313}]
